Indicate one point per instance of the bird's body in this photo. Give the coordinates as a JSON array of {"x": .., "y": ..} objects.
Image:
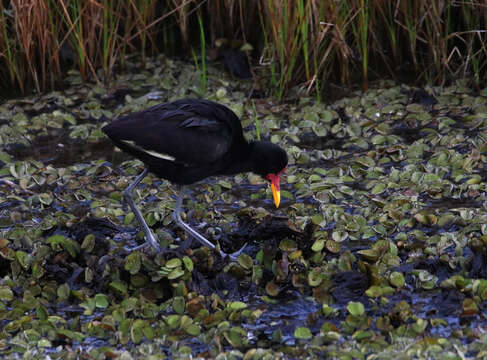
[{"x": 188, "y": 140}]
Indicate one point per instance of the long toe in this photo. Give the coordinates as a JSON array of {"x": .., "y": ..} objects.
[
  {"x": 235, "y": 255},
  {"x": 151, "y": 241},
  {"x": 129, "y": 249}
]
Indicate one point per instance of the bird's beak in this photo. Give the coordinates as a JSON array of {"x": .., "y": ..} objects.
[
  {"x": 276, "y": 194},
  {"x": 276, "y": 188}
]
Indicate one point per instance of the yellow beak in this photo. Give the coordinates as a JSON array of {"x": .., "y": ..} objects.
[{"x": 276, "y": 194}]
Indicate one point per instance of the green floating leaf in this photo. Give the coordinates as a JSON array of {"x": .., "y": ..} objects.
[
  {"x": 128, "y": 218},
  {"x": 397, "y": 279},
  {"x": 32, "y": 335},
  {"x": 369, "y": 255},
  {"x": 362, "y": 335},
  {"x": 176, "y": 273},
  {"x": 238, "y": 305},
  {"x": 420, "y": 325},
  {"x": 332, "y": 246},
  {"x": 101, "y": 301},
  {"x": 288, "y": 245},
  {"x": 318, "y": 245},
  {"x": 188, "y": 263},
  {"x": 235, "y": 336},
  {"x": 173, "y": 321},
  {"x": 63, "y": 291},
  {"x": 45, "y": 198},
  {"x": 379, "y": 188},
  {"x": 71, "y": 246},
  {"x": 119, "y": 287},
  {"x": 355, "y": 308},
  {"x": 137, "y": 331},
  {"x": 193, "y": 330},
  {"x": 314, "y": 278},
  {"x": 133, "y": 262},
  {"x": 88, "y": 243},
  {"x": 173, "y": 263},
  {"x": 23, "y": 258},
  {"x": 482, "y": 289},
  {"x": 272, "y": 289},
  {"x": 376, "y": 291},
  {"x": 469, "y": 307},
  {"x": 6, "y": 294},
  {"x": 245, "y": 261},
  {"x": 327, "y": 309},
  {"x": 303, "y": 333},
  {"x": 71, "y": 334},
  {"x": 42, "y": 312},
  {"x": 179, "y": 304}
]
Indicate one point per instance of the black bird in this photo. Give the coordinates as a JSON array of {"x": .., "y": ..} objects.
[{"x": 188, "y": 140}]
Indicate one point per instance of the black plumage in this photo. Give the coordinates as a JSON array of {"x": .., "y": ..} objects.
[{"x": 188, "y": 140}]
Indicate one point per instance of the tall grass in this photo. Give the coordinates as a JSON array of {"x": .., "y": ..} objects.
[
  {"x": 304, "y": 43},
  {"x": 200, "y": 64}
]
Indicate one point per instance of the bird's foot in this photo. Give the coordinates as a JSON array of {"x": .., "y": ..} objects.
[
  {"x": 191, "y": 233},
  {"x": 233, "y": 256},
  {"x": 151, "y": 240},
  {"x": 129, "y": 249}
]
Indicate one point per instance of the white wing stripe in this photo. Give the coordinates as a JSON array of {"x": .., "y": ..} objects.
[{"x": 151, "y": 152}]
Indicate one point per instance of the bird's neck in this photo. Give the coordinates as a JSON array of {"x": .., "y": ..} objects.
[{"x": 245, "y": 161}]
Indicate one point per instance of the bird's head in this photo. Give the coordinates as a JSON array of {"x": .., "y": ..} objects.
[{"x": 270, "y": 161}]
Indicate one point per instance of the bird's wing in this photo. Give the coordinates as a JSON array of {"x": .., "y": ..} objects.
[{"x": 190, "y": 133}]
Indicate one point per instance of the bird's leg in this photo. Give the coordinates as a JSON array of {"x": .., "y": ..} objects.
[
  {"x": 176, "y": 215},
  {"x": 177, "y": 218},
  {"x": 150, "y": 238}
]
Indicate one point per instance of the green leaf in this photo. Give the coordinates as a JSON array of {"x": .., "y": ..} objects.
[
  {"x": 420, "y": 325},
  {"x": 133, "y": 262},
  {"x": 355, "y": 308},
  {"x": 318, "y": 245},
  {"x": 23, "y": 258},
  {"x": 288, "y": 245},
  {"x": 71, "y": 246},
  {"x": 193, "y": 330},
  {"x": 245, "y": 261},
  {"x": 88, "y": 243},
  {"x": 37, "y": 270},
  {"x": 272, "y": 289},
  {"x": 119, "y": 287},
  {"x": 363, "y": 334},
  {"x": 42, "y": 312},
  {"x": 101, "y": 301},
  {"x": 6, "y": 294},
  {"x": 397, "y": 279},
  {"x": 63, "y": 291},
  {"x": 173, "y": 321},
  {"x": 173, "y": 263},
  {"x": 378, "y": 188},
  {"x": 176, "y": 273},
  {"x": 55, "y": 240},
  {"x": 179, "y": 304},
  {"x": 303, "y": 333},
  {"x": 238, "y": 305},
  {"x": 188, "y": 263}
]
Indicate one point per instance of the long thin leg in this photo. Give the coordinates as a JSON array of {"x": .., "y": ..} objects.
[
  {"x": 176, "y": 215},
  {"x": 150, "y": 238}
]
